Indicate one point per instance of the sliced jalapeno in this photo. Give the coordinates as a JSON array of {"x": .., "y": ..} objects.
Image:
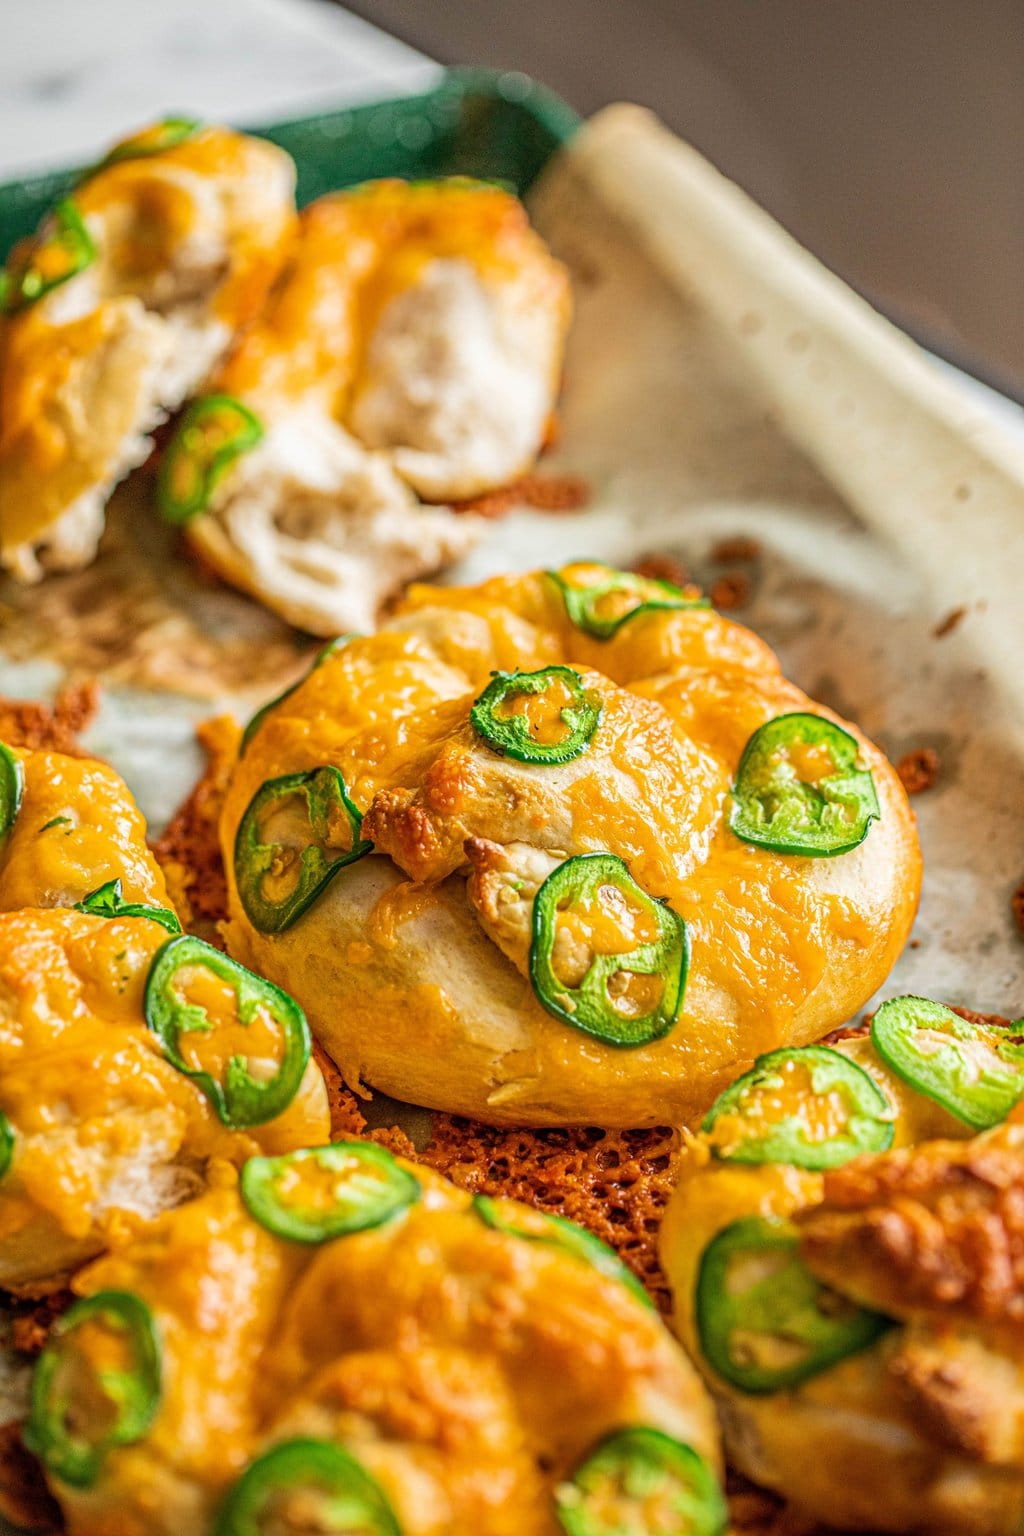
[
  {"x": 975, "y": 1071},
  {"x": 601, "y": 607},
  {"x": 297, "y": 832},
  {"x": 557, "y": 1232},
  {"x": 320, "y": 1193},
  {"x": 306, "y": 1486},
  {"x": 214, "y": 432},
  {"x": 809, "y": 1106},
  {"x": 106, "y": 901},
  {"x": 96, "y": 1385},
  {"x": 260, "y": 1013},
  {"x": 6, "y": 1144},
  {"x": 266, "y": 709},
  {"x": 65, "y": 249},
  {"x": 154, "y": 140},
  {"x": 765, "y": 1322},
  {"x": 799, "y": 790},
  {"x": 12, "y": 787},
  {"x": 641, "y": 1482},
  {"x": 631, "y": 991},
  {"x": 537, "y": 717}
]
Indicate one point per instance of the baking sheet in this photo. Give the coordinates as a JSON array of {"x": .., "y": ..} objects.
[{"x": 719, "y": 383}]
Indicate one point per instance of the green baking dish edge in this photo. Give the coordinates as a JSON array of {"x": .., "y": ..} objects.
[{"x": 498, "y": 125}]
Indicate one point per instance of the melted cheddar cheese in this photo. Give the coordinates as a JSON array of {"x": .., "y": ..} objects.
[
  {"x": 469, "y": 1370},
  {"x": 412, "y": 348},
  {"x": 107, "y": 1132},
  {"x": 898, "y": 1429},
  {"x": 439, "y": 1009},
  {"x": 355, "y": 254},
  {"x": 187, "y": 244},
  {"x": 77, "y": 828}
]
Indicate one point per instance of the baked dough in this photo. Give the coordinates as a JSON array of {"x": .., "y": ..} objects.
[
  {"x": 411, "y": 963},
  {"x": 187, "y": 242},
  {"x": 920, "y": 1431},
  {"x": 412, "y": 348},
  {"x": 106, "y": 1131},
  {"x": 469, "y": 1370}
]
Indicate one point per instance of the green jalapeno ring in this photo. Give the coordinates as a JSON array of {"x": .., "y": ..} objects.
[
  {"x": 6, "y": 1144},
  {"x": 378, "y": 1191},
  {"x": 156, "y": 140},
  {"x": 570, "y": 1238},
  {"x": 106, "y": 901},
  {"x": 207, "y": 466},
  {"x": 134, "y": 1394},
  {"x": 978, "y": 1093},
  {"x": 511, "y": 736},
  {"x": 12, "y": 788},
  {"x": 28, "y": 284},
  {"x": 261, "y": 714},
  {"x": 324, "y": 791},
  {"x": 775, "y": 809},
  {"x": 589, "y": 1006},
  {"x": 642, "y": 1464},
  {"x": 241, "y": 1100},
  {"x": 784, "y": 1308},
  {"x": 352, "y": 1499},
  {"x": 869, "y": 1126},
  {"x": 581, "y": 602}
]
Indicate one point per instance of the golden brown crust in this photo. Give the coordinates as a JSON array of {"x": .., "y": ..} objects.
[
  {"x": 55, "y": 727},
  {"x": 616, "y": 1183},
  {"x": 543, "y": 492},
  {"x": 188, "y": 852},
  {"x": 918, "y": 770},
  {"x": 31, "y": 1322},
  {"x": 961, "y": 1393},
  {"x": 731, "y": 590},
  {"x": 937, "y": 1228}
]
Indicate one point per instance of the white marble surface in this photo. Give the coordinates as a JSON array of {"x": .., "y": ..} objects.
[{"x": 75, "y": 74}]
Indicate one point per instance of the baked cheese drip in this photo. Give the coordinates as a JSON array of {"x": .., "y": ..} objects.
[
  {"x": 411, "y": 349},
  {"x": 422, "y": 964},
  {"x": 115, "y": 313},
  {"x": 76, "y": 828},
  {"x": 465, "y": 1359},
  {"x": 99, "y": 1130},
  {"x": 870, "y": 1308}
]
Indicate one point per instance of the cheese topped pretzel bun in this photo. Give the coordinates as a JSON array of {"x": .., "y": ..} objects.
[
  {"x": 356, "y": 1345},
  {"x": 113, "y": 1096},
  {"x": 113, "y": 314},
  {"x": 587, "y": 889},
  {"x": 412, "y": 347},
  {"x": 845, "y": 1248}
]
